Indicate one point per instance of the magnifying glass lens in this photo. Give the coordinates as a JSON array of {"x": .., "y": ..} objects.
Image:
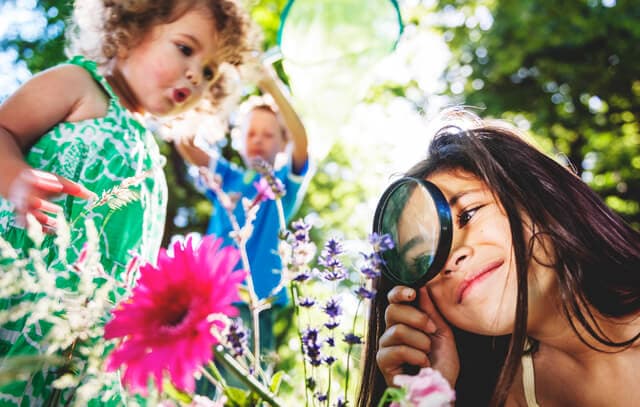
[{"x": 415, "y": 214}]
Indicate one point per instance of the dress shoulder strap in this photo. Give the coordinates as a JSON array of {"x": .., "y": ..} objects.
[
  {"x": 529, "y": 380},
  {"x": 92, "y": 68}
]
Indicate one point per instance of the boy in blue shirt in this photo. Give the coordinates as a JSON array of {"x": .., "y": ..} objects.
[{"x": 266, "y": 132}]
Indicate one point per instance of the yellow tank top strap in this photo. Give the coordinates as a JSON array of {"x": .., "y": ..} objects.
[{"x": 528, "y": 378}]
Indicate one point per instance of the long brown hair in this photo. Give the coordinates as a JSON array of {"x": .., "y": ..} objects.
[{"x": 597, "y": 255}]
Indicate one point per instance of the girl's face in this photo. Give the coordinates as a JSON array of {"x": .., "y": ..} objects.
[
  {"x": 477, "y": 288},
  {"x": 173, "y": 65}
]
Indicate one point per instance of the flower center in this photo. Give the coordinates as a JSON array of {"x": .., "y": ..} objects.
[{"x": 175, "y": 310}]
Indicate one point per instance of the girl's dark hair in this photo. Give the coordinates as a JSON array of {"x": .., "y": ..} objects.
[{"x": 596, "y": 254}]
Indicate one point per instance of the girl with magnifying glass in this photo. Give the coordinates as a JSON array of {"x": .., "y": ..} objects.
[{"x": 509, "y": 276}]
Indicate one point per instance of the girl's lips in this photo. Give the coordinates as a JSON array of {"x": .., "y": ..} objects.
[
  {"x": 469, "y": 282},
  {"x": 181, "y": 94}
]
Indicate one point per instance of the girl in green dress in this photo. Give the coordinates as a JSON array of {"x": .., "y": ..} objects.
[{"x": 71, "y": 133}]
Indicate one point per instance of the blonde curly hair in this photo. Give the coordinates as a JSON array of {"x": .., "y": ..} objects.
[{"x": 101, "y": 28}]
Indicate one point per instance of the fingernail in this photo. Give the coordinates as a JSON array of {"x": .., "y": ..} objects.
[{"x": 408, "y": 293}]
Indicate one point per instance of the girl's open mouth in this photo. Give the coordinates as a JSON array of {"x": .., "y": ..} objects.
[{"x": 180, "y": 95}]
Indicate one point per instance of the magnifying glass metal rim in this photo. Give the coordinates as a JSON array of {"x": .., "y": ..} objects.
[{"x": 446, "y": 230}]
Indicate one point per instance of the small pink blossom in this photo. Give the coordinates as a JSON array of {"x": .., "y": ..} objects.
[
  {"x": 426, "y": 389},
  {"x": 264, "y": 191},
  {"x": 166, "y": 325}
]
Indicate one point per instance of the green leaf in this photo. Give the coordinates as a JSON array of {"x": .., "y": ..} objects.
[{"x": 275, "y": 382}]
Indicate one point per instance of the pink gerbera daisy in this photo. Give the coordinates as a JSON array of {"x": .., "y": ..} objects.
[{"x": 167, "y": 324}]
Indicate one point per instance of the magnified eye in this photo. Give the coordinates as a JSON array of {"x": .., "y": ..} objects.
[
  {"x": 207, "y": 73},
  {"x": 422, "y": 263}
]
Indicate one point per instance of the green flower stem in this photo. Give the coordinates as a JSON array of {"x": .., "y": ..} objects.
[
  {"x": 294, "y": 297},
  {"x": 353, "y": 330},
  {"x": 232, "y": 365},
  {"x": 253, "y": 307}
]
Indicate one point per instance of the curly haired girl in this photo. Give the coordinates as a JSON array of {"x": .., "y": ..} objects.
[{"x": 72, "y": 132}]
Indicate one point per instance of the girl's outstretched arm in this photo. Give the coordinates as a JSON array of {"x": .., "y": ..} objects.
[{"x": 64, "y": 93}]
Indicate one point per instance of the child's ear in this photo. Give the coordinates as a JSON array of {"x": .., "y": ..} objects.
[{"x": 122, "y": 53}]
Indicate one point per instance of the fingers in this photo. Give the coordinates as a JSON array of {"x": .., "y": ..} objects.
[
  {"x": 31, "y": 190},
  {"x": 75, "y": 189},
  {"x": 392, "y": 360},
  {"x": 401, "y": 310},
  {"x": 52, "y": 184},
  {"x": 35, "y": 203},
  {"x": 426, "y": 303},
  {"x": 405, "y": 335}
]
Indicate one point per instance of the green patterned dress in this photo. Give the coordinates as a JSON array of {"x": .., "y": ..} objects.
[{"x": 97, "y": 153}]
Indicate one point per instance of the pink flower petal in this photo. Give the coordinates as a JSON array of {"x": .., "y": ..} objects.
[{"x": 164, "y": 324}]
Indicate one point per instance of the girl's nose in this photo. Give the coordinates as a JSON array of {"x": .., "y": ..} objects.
[
  {"x": 192, "y": 77},
  {"x": 456, "y": 259}
]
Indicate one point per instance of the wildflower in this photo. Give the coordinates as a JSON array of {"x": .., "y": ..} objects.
[
  {"x": 306, "y": 302},
  {"x": 426, "y": 389},
  {"x": 332, "y": 308},
  {"x": 166, "y": 325},
  {"x": 329, "y": 360},
  {"x": 264, "y": 191},
  {"x": 364, "y": 293},
  {"x": 352, "y": 339},
  {"x": 381, "y": 243},
  {"x": 334, "y": 270},
  {"x": 237, "y": 338},
  {"x": 265, "y": 169},
  {"x": 311, "y": 346},
  {"x": 301, "y": 231},
  {"x": 332, "y": 324}
]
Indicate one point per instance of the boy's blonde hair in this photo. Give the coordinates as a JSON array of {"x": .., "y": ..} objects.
[{"x": 101, "y": 28}]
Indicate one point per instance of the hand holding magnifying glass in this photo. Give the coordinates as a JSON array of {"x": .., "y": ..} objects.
[{"x": 417, "y": 217}]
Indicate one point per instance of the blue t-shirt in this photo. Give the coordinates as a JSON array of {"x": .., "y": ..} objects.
[{"x": 262, "y": 247}]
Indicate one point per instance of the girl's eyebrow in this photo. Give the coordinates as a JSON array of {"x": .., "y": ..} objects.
[
  {"x": 455, "y": 198},
  {"x": 192, "y": 39}
]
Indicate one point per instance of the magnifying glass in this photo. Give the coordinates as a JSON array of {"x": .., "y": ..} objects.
[{"x": 416, "y": 215}]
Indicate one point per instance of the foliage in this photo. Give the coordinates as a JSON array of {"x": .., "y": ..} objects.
[{"x": 567, "y": 70}]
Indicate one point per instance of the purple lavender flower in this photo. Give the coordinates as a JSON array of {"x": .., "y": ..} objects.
[
  {"x": 301, "y": 231},
  {"x": 311, "y": 346},
  {"x": 352, "y": 339},
  {"x": 321, "y": 397},
  {"x": 332, "y": 324},
  {"x": 364, "y": 293},
  {"x": 237, "y": 338},
  {"x": 333, "y": 268},
  {"x": 332, "y": 308},
  {"x": 332, "y": 248},
  {"x": 329, "y": 360},
  {"x": 306, "y": 302},
  {"x": 331, "y": 342},
  {"x": 266, "y": 170},
  {"x": 302, "y": 276},
  {"x": 370, "y": 272},
  {"x": 381, "y": 243},
  {"x": 341, "y": 403}
]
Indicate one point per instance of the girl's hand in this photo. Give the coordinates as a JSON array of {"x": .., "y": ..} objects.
[
  {"x": 416, "y": 335},
  {"x": 31, "y": 190}
]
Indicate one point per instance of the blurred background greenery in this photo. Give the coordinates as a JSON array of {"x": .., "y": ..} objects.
[{"x": 565, "y": 71}]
